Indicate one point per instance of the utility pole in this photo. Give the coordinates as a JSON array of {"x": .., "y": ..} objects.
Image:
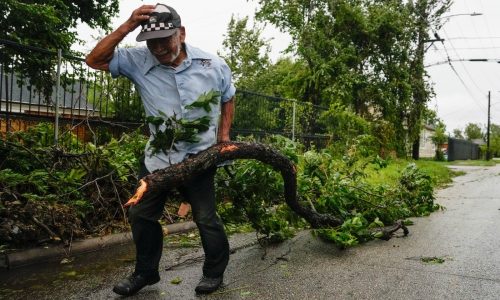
[
  {"x": 488, "y": 157},
  {"x": 418, "y": 89}
]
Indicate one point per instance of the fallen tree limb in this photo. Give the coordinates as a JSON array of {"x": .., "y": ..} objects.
[{"x": 168, "y": 178}]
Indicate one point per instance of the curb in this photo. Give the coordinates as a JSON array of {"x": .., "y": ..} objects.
[{"x": 39, "y": 255}]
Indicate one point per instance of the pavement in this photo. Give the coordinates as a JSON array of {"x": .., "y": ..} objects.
[
  {"x": 452, "y": 254},
  {"x": 56, "y": 253}
]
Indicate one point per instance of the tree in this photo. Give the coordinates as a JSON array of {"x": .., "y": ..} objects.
[
  {"x": 494, "y": 130},
  {"x": 286, "y": 78},
  {"x": 49, "y": 25},
  {"x": 495, "y": 140},
  {"x": 366, "y": 55},
  {"x": 473, "y": 131},
  {"x": 245, "y": 51},
  {"x": 427, "y": 13},
  {"x": 457, "y": 133},
  {"x": 439, "y": 139},
  {"x": 331, "y": 39}
]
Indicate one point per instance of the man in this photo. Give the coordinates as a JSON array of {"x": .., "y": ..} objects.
[{"x": 170, "y": 75}]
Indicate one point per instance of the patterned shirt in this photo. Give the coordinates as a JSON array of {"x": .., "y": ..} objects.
[{"x": 170, "y": 90}]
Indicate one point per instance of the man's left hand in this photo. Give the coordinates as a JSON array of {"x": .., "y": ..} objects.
[
  {"x": 184, "y": 209},
  {"x": 223, "y": 139}
]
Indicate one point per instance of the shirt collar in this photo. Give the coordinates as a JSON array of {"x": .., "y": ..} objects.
[{"x": 151, "y": 61}]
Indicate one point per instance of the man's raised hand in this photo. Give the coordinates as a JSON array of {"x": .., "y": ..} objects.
[{"x": 138, "y": 16}]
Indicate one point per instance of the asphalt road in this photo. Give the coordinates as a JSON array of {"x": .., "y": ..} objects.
[{"x": 464, "y": 238}]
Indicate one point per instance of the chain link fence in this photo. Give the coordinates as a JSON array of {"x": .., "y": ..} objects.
[
  {"x": 261, "y": 115},
  {"x": 93, "y": 107}
]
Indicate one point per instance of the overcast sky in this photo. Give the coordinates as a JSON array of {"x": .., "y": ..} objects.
[
  {"x": 461, "y": 88},
  {"x": 205, "y": 21}
]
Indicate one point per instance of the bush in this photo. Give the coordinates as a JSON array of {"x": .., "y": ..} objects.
[
  {"x": 49, "y": 193},
  {"x": 86, "y": 190},
  {"x": 339, "y": 186}
]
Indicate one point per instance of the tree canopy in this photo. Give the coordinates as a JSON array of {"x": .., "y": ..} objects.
[
  {"x": 366, "y": 56},
  {"x": 245, "y": 51},
  {"x": 49, "y": 25},
  {"x": 457, "y": 133},
  {"x": 495, "y": 139},
  {"x": 473, "y": 131}
]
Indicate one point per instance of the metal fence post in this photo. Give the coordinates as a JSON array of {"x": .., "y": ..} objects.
[
  {"x": 7, "y": 112},
  {"x": 294, "y": 111},
  {"x": 58, "y": 86}
]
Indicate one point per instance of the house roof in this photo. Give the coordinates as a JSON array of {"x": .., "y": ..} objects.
[
  {"x": 478, "y": 141},
  {"x": 72, "y": 96}
]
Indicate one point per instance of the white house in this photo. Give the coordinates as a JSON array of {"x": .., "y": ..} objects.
[{"x": 427, "y": 147}]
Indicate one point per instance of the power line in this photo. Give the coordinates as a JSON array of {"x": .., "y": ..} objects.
[
  {"x": 478, "y": 5},
  {"x": 471, "y": 48},
  {"x": 465, "y": 70},
  {"x": 488, "y": 27},
  {"x": 474, "y": 38},
  {"x": 463, "y": 82},
  {"x": 472, "y": 22},
  {"x": 448, "y": 60},
  {"x": 456, "y": 52}
]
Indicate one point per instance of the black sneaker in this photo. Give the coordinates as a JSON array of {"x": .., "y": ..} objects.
[
  {"x": 135, "y": 283},
  {"x": 208, "y": 285}
]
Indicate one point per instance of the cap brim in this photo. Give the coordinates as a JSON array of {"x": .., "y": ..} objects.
[{"x": 155, "y": 34}]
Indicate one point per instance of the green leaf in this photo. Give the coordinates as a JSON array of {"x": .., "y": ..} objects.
[
  {"x": 176, "y": 280},
  {"x": 176, "y": 130},
  {"x": 205, "y": 100},
  {"x": 432, "y": 260},
  {"x": 156, "y": 121}
]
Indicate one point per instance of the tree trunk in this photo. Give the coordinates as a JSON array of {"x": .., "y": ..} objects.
[{"x": 416, "y": 148}]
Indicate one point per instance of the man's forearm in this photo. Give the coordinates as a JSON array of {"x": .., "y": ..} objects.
[
  {"x": 102, "y": 53},
  {"x": 227, "y": 115}
]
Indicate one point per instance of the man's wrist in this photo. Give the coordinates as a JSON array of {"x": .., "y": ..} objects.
[
  {"x": 126, "y": 28},
  {"x": 223, "y": 138}
]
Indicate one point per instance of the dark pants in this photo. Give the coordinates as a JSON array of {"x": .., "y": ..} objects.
[{"x": 148, "y": 234}]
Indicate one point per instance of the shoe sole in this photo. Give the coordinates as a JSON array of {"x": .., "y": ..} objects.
[
  {"x": 209, "y": 291},
  {"x": 155, "y": 281}
]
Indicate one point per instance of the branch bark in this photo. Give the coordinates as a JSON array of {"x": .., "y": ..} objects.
[{"x": 170, "y": 177}]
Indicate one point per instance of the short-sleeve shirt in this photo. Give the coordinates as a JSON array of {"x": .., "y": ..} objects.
[{"x": 170, "y": 90}]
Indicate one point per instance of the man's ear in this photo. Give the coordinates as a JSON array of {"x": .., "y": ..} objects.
[{"x": 182, "y": 33}]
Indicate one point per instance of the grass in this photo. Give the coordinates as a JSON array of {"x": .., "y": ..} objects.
[
  {"x": 479, "y": 163},
  {"x": 438, "y": 171}
]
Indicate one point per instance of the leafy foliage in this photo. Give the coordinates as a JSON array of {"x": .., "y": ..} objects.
[
  {"x": 457, "y": 133},
  {"x": 329, "y": 183},
  {"x": 473, "y": 131},
  {"x": 439, "y": 138},
  {"x": 495, "y": 140},
  {"x": 364, "y": 55},
  {"x": 49, "y": 25},
  {"x": 245, "y": 51},
  {"x": 84, "y": 189},
  {"x": 253, "y": 192},
  {"x": 170, "y": 129},
  {"x": 205, "y": 101}
]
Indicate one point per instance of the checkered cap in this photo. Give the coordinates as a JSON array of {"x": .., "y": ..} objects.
[{"x": 162, "y": 23}]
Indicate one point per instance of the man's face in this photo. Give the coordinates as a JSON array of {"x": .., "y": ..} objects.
[{"x": 168, "y": 50}]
